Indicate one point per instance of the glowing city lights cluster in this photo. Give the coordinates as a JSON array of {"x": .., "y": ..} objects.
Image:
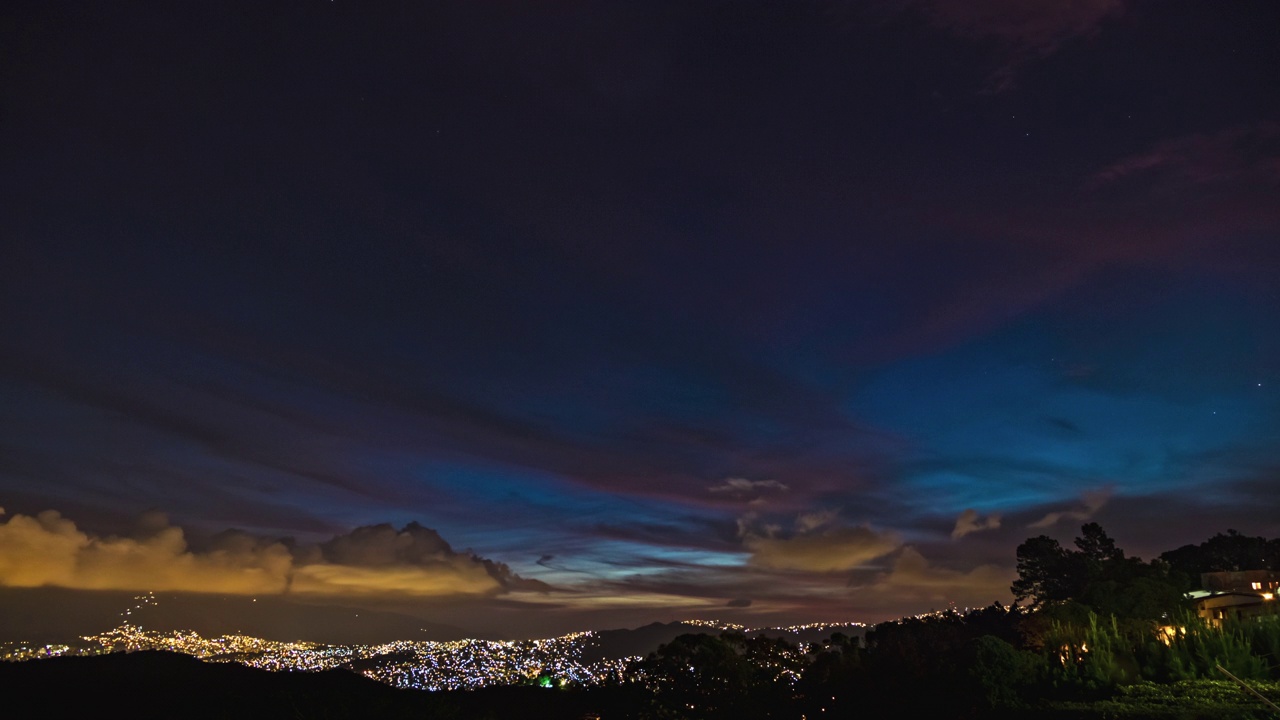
[
  {"x": 21, "y": 650},
  {"x": 464, "y": 664},
  {"x": 426, "y": 665},
  {"x": 728, "y": 626}
]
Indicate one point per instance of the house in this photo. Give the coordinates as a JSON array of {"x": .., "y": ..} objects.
[
  {"x": 1245, "y": 580},
  {"x": 1236, "y": 595}
]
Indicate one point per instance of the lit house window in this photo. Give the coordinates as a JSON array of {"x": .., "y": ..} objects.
[{"x": 1257, "y": 586}]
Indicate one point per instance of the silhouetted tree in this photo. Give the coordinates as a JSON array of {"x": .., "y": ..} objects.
[
  {"x": 1047, "y": 572},
  {"x": 1098, "y": 575},
  {"x": 999, "y": 673},
  {"x": 1229, "y": 552}
]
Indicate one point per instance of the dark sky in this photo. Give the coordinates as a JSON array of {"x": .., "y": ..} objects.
[{"x": 771, "y": 312}]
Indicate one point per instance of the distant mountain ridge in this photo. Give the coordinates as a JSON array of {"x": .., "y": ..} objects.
[{"x": 620, "y": 643}]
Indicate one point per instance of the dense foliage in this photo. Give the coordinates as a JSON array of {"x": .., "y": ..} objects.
[
  {"x": 1225, "y": 553},
  {"x": 1099, "y": 575}
]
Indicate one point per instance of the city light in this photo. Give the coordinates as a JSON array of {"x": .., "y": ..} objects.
[{"x": 421, "y": 664}]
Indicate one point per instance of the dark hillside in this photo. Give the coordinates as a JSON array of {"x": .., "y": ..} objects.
[{"x": 167, "y": 685}]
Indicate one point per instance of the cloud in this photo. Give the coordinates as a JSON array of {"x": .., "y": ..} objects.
[
  {"x": 744, "y": 489},
  {"x": 1037, "y": 26},
  {"x": 739, "y": 603},
  {"x": 49, "y": 550},
  {"x": 415, "y": 560},
  {"x": 442, "y": 579},
  {"x": 809, "y": 522},
  {"x": 1092, "y": 502},
  {"x": 1025, "y": 29},
  {"x": 913, "y": 580},
  {"x": 970, "y": 522},
  {"x": 1203, "y": 202},
  {"x": 382, "y": 545},
  {"x": 1241, "y": 152},
  {"x": 817, "y": 545}
]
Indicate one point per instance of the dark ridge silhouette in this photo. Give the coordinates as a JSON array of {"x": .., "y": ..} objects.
[
  {"x": 160, "y": 684},
  {"x": 154, "y": 684},
  {"x": 620, "y": 643}
]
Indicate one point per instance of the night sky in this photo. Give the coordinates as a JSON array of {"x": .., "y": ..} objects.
[{"x": 533, "y": 317}]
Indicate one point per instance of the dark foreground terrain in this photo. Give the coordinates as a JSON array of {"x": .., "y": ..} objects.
[
  {"x": 149, "y": 684},
  {"x": 168, "y": 685}
]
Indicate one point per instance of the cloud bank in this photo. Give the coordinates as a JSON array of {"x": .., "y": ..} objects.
[{"x": 49, "y": 550}]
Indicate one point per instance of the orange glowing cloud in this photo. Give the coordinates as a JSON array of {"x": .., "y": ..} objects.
[{"x": 50, "y": 550}]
